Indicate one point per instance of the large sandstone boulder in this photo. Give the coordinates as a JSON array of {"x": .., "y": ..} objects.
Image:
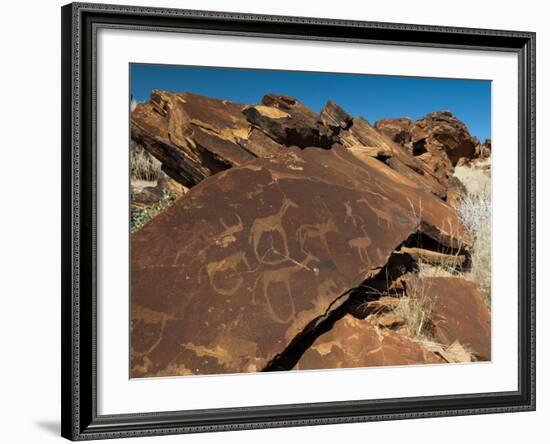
[
  {"x": 193, "y": 136},
  {"x": 227, "y": 277},
  {"x": 288, "y": 213},
  {"x": 457, "y": 312},
  {"x": 288, "y": 122},
  {"x": 363, "y": 139},
  {"x": 251, "y": 257},
  {"x": 439, "y": 134},
  {"x": 397, "y": 129},
  {"x": 356, "y": 342},
  {"x": 335, "y": 118}
]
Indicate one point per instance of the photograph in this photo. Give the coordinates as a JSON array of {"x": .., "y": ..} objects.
[{"x": 296, "y": 220}]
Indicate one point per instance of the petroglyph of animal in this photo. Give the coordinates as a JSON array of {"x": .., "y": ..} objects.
[
  {"x": 227, "y": 236},
  {"x": 271, "y": 224},
  {"x": 362, "y": 244},
  {"x": 235, "y": 263},
  {"x": 316, "y": 231},
  {"x": 380, "y": 214},
  {"x": 349, "y": 215},
  {"x": 270, "y": 278}
]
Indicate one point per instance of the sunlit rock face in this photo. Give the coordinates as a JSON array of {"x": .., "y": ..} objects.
[{"x": 289, "y": 214}]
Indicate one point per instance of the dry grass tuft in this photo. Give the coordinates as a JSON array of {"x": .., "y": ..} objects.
[
  {"x": 476, "y": 213},
  {"x": 143, "y": 166},
  {"x": 416, "y": 309}
]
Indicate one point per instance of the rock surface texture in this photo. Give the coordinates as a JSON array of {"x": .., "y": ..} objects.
[
  {"x": 263, "y": 264},
  {"x": 456, "y": 312}
]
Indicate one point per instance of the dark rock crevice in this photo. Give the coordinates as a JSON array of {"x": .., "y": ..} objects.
[{"x": 354, "y": 301}]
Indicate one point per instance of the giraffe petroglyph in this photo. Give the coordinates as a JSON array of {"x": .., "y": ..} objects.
[
  {"x": 269, "y": 224},
  {"x": 380, "y": 214}
]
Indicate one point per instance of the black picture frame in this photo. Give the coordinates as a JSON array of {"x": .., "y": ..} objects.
[{"x": 80, "y": 420}]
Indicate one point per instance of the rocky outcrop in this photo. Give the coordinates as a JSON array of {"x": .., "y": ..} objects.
[
  {"x": 457, "y": 312},
  {"x": 261, "y": 252},
  {"x": 291, "y": 219},
  {"x": 335, "y": 118},
  {"x": 442, "y": 131},
  {"x": 398, "y": 130},
  {"x": 288, "y": 122},
  {"x": 193, "y": 136},
  {"x": 345, "y": 346},
  {"x": 439, "y": 140}
]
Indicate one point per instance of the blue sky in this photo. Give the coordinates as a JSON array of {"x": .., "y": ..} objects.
[{"x": 371, "y": 96}]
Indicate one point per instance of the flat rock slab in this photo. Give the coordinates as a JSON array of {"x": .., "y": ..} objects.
[
  {"x": 193, "y": 136},
  {"x": 362, "y": 135},
  {"x": 458, "y": 312},
  {"x": 289, "y": 122},
  {"x": 230, "y": 274},
  {"x": 355, "y": 343},
  {"x": 439, "y": 220}
]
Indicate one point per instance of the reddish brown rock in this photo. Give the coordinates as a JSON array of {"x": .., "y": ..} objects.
[
  {"x": 261, "y": 145},
  {"x": 457, "y": 312},
  {"x": 397, "y": 129},
  {"x": 442, "y": 132},
  {"x": 435, "y": 257},
  {"x": 362, "y": 139},
  {"x": 288, "y": 122},
  {"x": 483, "y": 150},
  {"x": 357, "y": 343},
  {"x": 193, "y": 136},
  {"x": 456, "y": 192},
  {"x": 335, "y": 118},
  {"x": 225, "y": 278},
  {"x": 230, "y": 274}
]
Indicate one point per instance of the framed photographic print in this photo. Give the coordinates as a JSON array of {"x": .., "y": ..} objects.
[{"x": 280, "y": 221}]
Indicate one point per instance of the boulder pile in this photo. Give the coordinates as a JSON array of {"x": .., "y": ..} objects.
[{"x": 298, "y": 236}]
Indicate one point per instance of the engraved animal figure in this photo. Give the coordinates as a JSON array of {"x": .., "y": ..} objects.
[
  {"x": 362, "y": 244},
  {"x": 380, "y": 214},
  {"x": 227, "y": 236},
  {"x": 272, "y": 223},
  {"x": 350, "y": 215},
  {"x": 230, "y": 263},
  {"x": 311, "y": 231},
  {"x": 281, "y": 276}
]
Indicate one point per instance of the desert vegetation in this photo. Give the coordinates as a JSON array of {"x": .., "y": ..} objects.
[{"x": 143, "y": 166}]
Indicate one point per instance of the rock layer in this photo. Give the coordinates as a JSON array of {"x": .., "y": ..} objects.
[
  {"x": 251, "y": 257},
  {"x": 457, "y": 312},
  {"x": 357, "y": 343}
]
